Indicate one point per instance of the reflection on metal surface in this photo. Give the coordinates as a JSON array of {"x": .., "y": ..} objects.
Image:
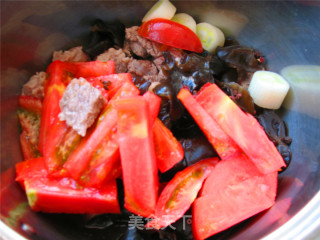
[
  {"x": 229, "y": 21},
  {"x": 302, "y": 224},
  {"x": 305, "y": 89}
]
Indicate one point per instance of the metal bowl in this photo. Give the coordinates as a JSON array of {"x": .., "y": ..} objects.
[{"x": 286, "y": 32}]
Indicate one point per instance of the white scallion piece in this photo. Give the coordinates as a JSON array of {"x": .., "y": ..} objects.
[
  {"x": 268, "y": 89},
  {"x": 210, "y": 36},
  {"x": 162, "y": 9},
  {"x": 186, "y": 20}
]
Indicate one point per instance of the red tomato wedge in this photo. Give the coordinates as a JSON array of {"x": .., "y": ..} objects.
[
  {"x": 27, "y": 148},
  {"x": 169, "y": 150},
  {"x": 243, "y": 128},
  {"x": 80, "y": 158},
  {"x": 31, "y": 168},
  {"x": 153, "y": 102},
  {"x": 171, "y": 33},
  {"x": 61, "y": 195},
  {"x": 59, "y": 76},
  {"x": 83, "y": 155},
  {"x": 63, "y": 141},
  {"x": 95, "y": 82},
  {"x": 178, "y": 195},
  {"x": 139, "y": 168},
  {"x": 229, "y": 173},
  {"x": 113, "y": 82},
  {"x": 29, "y": 115},
  {"x": 234, "y": 191},
  {"x": 104, "y": 164},
  {"x": 222, "y": 143},
  {"x": 30, "y": 104},
  {"x": 94, "y": 68}
]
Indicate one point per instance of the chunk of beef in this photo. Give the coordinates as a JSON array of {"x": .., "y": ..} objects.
[
  {"x": 141, "y": 46},
  {"x": 142, "y": 68},
  {"x": 34, "y": 87},
  {"x": 158, "y": 62},
  {"x": 142, "y": 71},
  {"x": 80, "y": 105},
  {"x": 72, "y": 55},
  {"x": 118, "y": 56}
]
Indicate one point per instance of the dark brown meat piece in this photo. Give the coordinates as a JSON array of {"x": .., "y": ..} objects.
[
  {"x": 72, "y": 55},
  {"x": 118, "y": 56},
  {"x": 143, "y": 72},
  {"x": 141, "y": 46},
  {"x": 80, "y": 105},
  {"x": 142, "y": 68},
  {"x": 35, "y": 86}
]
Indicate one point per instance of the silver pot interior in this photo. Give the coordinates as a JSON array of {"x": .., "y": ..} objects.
[{"x": 287, "y": 33}]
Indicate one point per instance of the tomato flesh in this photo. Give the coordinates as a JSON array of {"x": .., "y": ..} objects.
[
  {"x": 63, "y": 195},
  {"x": 169, "y": 150},
  {"x": 178, "y": 195},
  {"x": 30, "y": 104},
  {"x": 243, "y": 128},
  {"x": 104, "y": 164},
  {"x": 80, "y": 159},
  {"x": 139, "y": 169},
  {"x": 234, "y": 191},
  {"x": 153, "y": 102},
  {"x": 52, "y": 130},
  {"x": 29, "y": 115},
  {"x": 30, "y": 168},
  {"x": 222, "y": 143},
  {"x": 171, "y": 33},
  {"x": 113, "y": 82},
  {"x": 94, "y": 68}
]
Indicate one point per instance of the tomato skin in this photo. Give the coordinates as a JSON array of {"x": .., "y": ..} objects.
[
  {"x": 26, "y": 146},
  {"x": 82, "y": 156},
  {"x": 169, "y": 150},
  {"x": 63, "y": 195},
  {"x": 171, "y": 34},
  {"x": 30, "y": 168},
  {"x": 29, "y": 103},
  {"x": 95, "y": 82},
  {"x": 139, "y": 169},
  {"x": 243, "y": 128},
  {"x": 59, "y": 75},
  {"x": 56, "y": 153},
  {"x": 29, "y": 115},
  {"x": 234, "y": 191},
  {"x": 94, "y": 68},
  {"x": 113, "y": 81},
  {"x": 104, "y": 164},
  {"x": 178, "y": 195},
  {"x": 153, "y": 102},
  {"x": 222, "y": 143}
]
